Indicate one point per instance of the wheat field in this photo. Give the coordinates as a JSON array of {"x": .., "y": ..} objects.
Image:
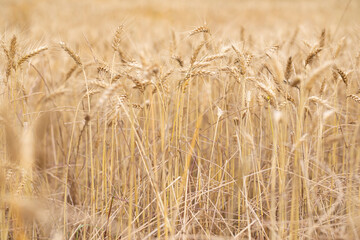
[{"x": 179, "y": 119}]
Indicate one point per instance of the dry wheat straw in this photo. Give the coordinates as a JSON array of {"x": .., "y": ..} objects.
[{"x": 213, "y": 163}]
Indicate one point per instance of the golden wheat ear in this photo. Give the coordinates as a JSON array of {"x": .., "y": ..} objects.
[
  {"x": 71, "y": 53},
  {"x": 354, "y": 97},
  {"x": 201, "y": 29},
  {"x": 11, "y": 56},
  {"x": 31, "y": 54}
]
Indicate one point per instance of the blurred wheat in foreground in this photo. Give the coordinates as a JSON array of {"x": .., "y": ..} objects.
[{"x": 191, "y": 136}]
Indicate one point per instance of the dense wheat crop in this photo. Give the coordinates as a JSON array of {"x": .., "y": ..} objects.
[{"x": 179, "y": 120}]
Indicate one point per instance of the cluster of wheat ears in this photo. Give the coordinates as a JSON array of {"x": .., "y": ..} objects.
[{"x": 213, "y": 140}]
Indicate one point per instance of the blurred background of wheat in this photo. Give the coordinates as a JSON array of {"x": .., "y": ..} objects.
[{"x": 179, "y": 119}]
